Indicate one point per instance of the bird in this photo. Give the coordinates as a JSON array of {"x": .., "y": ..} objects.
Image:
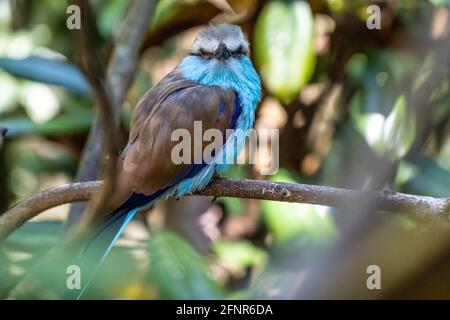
[{"x": 215, "y": 84}]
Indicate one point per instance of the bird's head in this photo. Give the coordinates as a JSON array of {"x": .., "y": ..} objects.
[
  {"x": 219, "y": 57},
  {"x": 221, "y": 43}
]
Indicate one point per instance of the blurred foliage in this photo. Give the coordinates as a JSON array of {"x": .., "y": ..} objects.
[
  {"x": 297, "y": 47},
  {"x": 284, "y": 47},
  {"x": 175, "y": 261},
  {"x": 47, "y": 71},
  {"x": 286, "y": 220}
]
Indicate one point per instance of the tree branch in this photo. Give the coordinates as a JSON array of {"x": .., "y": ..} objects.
[{"x": 429, "y": 207}]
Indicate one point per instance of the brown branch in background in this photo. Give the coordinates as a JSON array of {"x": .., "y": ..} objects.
[
  {"x": 124, "y": 61},
  {"x": 91, "y": 65},
  {"x": 119, "y": 76},
  {"x": 192, "y": 16},
  {"x": 423, "y": 206},
  {"x": 2, "y": 136},
  {"x": 189, "y": 15}
]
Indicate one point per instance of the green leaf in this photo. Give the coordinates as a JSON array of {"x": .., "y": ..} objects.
[
  {"x": 54, "y": 158},
  {"x": 399, "y": 129},
  {"x": 8, "y": 279},
  {"x": 68, "y": 123},
  {"x": 284, "y": 52},
  {"x": 336, "y": 5},
  {"x": 370, "y": 125},
  {"x": 34, "y": 235},
  {"x": 440, "y": 2},
  {"x": 119, "y": 271},
  {"x": 379, "y": 113},
  {"x": 425, "y": 177},
  {"x": 48, "y": 71},
  {"x": 179, "y": 271},
  {"x": 239, "y": 253},
  {"x": 166, "y": 10},
  {"x": 287, "y": 220},
  {"x": 9, "y": 96},
  {"x": 392, "y": 135},
  {"x": 379, "y": 76}
]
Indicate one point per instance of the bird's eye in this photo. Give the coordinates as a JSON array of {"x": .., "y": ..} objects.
[
  {"x": 238, "y": 52},
  {"x": 203, "y": 52}
]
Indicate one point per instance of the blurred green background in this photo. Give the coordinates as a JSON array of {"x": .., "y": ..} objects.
[{"x": 344, "y": 97}]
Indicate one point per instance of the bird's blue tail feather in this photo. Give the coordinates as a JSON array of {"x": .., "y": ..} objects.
[{"x": 104, "y": 238}]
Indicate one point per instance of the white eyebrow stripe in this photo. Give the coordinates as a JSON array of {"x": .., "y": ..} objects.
[
  {"x": 210, "y": 45},
  {"x": 234, "y": 44}
]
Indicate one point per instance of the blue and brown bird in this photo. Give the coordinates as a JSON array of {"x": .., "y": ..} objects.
[{"x": 215, "y": 84}]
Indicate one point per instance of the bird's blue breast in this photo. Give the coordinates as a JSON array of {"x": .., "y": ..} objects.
[{"x": 235, "y": 74}]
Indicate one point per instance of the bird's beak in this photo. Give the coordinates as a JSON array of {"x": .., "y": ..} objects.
[{"x": 222, "y": 52}]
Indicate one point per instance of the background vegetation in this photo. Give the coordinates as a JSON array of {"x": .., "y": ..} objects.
[{"x": 357, "y": 108}]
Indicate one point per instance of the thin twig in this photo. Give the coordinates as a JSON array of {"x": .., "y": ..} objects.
[{"x": 435, "y": 208}]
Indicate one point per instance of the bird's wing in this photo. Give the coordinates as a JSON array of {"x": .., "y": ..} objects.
[
  {"x": 175, "y": 103},
  {"x": 154, "y": 97}
]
